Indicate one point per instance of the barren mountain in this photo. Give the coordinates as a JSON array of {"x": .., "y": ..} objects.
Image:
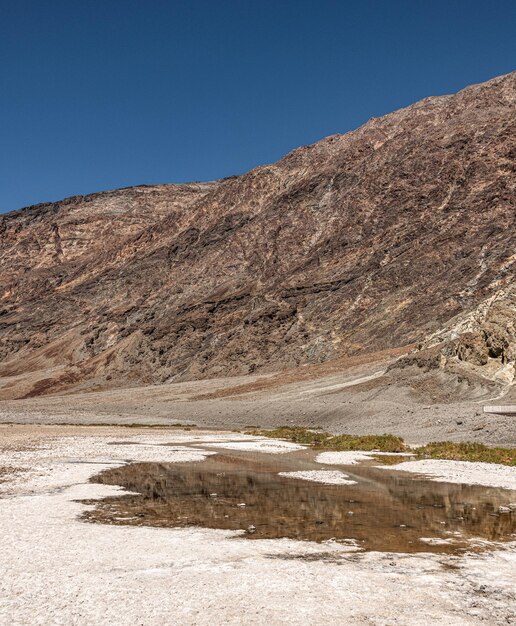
[{"x": 402, "y": 232}]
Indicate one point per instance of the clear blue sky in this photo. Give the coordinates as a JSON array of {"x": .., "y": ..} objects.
[{"x": 99, "y": 94}]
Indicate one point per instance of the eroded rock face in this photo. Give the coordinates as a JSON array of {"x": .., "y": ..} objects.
[
  {"x": 360, "y": 242},
  {"x": 476, "y": 348}
]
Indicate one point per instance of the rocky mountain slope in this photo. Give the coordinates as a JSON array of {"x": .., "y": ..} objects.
[{"x": 394, "y": 234}]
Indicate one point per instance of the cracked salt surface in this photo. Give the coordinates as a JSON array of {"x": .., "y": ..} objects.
[
  {"x": 53, "y": 464},
  {"x": 343, "y": 458},
  {"x": 271, "y": 446},
  {"x": 352, "y": 457},
  {"x": 58, "y": 570},
  {"x": 321, "y": 476},
  {"x": 487, "y": 474},
  {"x": 459, "y": 472}
]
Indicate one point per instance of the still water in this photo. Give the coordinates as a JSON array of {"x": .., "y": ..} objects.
[{"x": 384, "y": 510}]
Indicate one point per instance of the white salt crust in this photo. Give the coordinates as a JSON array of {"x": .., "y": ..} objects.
[
  {"x": 57, "y": 569},
  {"x": 321, "y": 476}
]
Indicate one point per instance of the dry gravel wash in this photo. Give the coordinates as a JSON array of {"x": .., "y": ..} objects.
[
  {"x": 58, "y": 570},
  {"x": 333, "y": 398}
]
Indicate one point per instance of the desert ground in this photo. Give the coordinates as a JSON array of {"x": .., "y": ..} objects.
[
  {"x": 353, "y": 396},
  {"x": 285, "y": 395},
  {"x": 60, "y": 569}
]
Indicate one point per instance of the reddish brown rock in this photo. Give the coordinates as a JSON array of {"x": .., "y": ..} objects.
[{"x": 360, "y": 242}]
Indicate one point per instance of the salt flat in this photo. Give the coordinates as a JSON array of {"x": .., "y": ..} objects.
[{"x": 60, "y": 570}]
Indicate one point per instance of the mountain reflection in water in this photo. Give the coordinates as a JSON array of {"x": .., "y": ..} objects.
[{"x": 384, "y": 510}]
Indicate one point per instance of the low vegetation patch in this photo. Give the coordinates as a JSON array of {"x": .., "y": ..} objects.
[
  {"x": 129, "y": 425},
  {"x": 446, "y": 450},
  {"x": 391, "y": 459},
  {"x": 467, "y": 452},
  {"x": 320, "y": 439}
]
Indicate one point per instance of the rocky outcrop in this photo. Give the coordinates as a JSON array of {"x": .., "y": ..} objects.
[
  {"x": 477, "y": 347},
  {"x": 365, "y": 241}
]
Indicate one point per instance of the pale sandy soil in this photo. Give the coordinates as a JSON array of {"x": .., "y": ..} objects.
[{"x": 59, "y": 570}]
